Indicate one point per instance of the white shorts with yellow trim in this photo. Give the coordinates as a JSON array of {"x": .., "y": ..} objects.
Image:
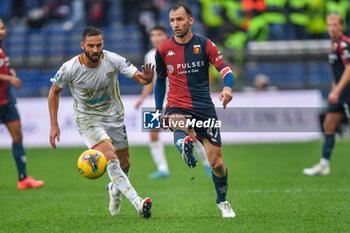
[{"x": 98, "y": 132}]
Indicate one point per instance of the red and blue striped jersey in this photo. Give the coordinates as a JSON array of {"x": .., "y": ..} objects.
[
  {"x": 4, "y": 85},
  {"x": 187, "y": 68},
  {"x": 338, "y": 58}
]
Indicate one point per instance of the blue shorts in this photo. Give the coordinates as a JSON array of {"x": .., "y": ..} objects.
[
  {"x": 210, "y": 133},
  {"x": 342, "y": 107},
  {"x": 8, "y": 113}
]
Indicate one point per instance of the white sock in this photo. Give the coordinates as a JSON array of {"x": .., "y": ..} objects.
[
  {"x": 200, "y": 151},
  {"x": 158, "y": 155},
  {"x": 324, "y": 162},
  {"x": 122, "y": 183},
  {"x": 116, "y": 192}
]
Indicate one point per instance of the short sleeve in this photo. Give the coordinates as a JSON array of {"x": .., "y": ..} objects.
[
  {"x": 214, "y": 55},
  {"x": 122, "y": 65},
  {"x": 61, "y": 78},
  {"x": 160, "y": 66},
  {"x": 344, "y": 51}
]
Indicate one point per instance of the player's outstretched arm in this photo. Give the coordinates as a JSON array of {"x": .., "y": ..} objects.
[
  {"x": 145, "y": 77},
  {"x": 54, "y": 95},
  {"x": 337, "y": 89}
]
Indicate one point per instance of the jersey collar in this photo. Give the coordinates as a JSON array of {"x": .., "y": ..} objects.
[{"x": 173, "y": 38}]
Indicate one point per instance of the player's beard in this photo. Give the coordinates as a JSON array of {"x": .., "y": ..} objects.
[
  {"x": 182, "y": 35},
  {"x": 93, "y": 60}
]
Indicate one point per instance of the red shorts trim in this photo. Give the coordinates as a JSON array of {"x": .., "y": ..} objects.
[
  {"x": 214, "y": 144},
  {"x": 9, "y": 121}
]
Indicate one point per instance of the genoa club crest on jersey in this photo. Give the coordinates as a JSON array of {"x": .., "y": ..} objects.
[
  {"x": 197, "y": 49},
  {"x": 335, "y": 46}
]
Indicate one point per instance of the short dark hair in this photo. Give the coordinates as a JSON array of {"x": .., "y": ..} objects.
[
  {"x": 185, "y": 6},
  {"x": 158, "y": 28},
  {"x": 91, "y": 31}
]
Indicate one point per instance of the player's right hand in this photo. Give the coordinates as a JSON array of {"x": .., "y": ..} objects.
[
  {"x": 148, "y": 72},
  {"x": 16, "y": 82},
  {"x": 333, "y": 97},
  {"x": 225, "y": 96},
  {"x": 54, "y": 133}
]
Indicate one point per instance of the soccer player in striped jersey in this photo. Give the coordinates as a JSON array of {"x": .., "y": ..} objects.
[
  {"x": 339, "y": 97},
  {"x": 10, "y": 117},
  {"x": 157, "y": 36},
  {"x": 184, "y": 59},
  {"x": 98, "y": 110}
]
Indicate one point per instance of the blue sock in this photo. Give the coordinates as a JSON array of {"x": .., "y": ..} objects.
[
  {"x": 20, "y": 158},
  {"x": 179, "y": 136},
  {"x": 220, "y": 187},
  {"x": 328, "y": 146}
]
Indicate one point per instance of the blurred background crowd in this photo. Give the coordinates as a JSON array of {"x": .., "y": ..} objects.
[{"x": 283, "y": 41}]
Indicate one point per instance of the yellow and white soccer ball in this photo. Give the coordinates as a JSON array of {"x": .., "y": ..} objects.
[{"x": 92, "y": 164}]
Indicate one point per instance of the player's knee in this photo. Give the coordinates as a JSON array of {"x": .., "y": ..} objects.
[
  {"x": 17, "y": 139},
  {"x": 328, "y": 127},
  {"x": 125, "y": 164},
  {"x": 324, "y": 125},
  {"x": 218, "y": 164},
  {"x": 109, "y": 154}
]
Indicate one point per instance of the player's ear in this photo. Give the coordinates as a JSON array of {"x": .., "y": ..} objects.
[
  {"x": 191, "y": 20},
  {"x": 82, "y": 45}
]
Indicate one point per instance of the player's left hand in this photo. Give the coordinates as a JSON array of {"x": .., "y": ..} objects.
[
  {"x": 333, "y": 97},
  {"x": 138, "y": 103},
  {"x": 148, "y": 72},
  {"x": 225, "y": 96}
]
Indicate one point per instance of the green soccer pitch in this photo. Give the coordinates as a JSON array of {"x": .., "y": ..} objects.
[{"x": 267, "y": 190}]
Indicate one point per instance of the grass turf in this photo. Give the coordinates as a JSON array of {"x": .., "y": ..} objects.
[{"x": 267, "y": 190}]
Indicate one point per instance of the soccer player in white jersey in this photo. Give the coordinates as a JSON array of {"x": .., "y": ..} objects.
[
  {"x": 93, "y": 80},
  {"x": 157, "y": 36}
]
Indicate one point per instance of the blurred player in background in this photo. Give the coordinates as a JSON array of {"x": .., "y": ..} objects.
[
  {"x": 10, "y": 117},
  {"x": 184, "y": 59},
  {"x": 157, "y": 36},
  {"x": 93, "y": 79},
  {"x": 339, "y": 97}
]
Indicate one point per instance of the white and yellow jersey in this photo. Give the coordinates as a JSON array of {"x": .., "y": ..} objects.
[{"x": 95, "y": 90}]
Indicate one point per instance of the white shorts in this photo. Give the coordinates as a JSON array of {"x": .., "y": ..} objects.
[{"x": 97, "y": 132}]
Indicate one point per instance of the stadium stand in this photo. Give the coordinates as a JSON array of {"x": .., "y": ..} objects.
[{"x": 36, "y": 53}]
